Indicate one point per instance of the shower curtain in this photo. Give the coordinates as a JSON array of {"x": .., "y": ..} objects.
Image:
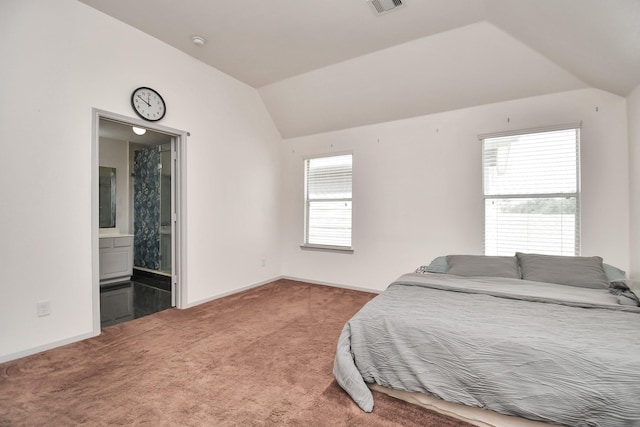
[{"x": 146, "y": 208}]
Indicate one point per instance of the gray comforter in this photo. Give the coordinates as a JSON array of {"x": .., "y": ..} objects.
[{"x": 541, "y": 351}]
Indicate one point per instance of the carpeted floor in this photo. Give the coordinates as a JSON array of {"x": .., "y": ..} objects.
[{"x": 262, "y": 357}]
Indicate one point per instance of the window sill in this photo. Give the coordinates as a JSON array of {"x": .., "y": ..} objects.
[{"x": 327, "y": 248}]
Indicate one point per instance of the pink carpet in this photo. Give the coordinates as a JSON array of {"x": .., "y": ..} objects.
[{"x": 262, "y": 357}]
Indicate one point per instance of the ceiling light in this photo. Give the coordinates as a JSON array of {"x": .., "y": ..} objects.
[
  {"x": 138, "y": 131},
  {"x": 198, "y": 41}
]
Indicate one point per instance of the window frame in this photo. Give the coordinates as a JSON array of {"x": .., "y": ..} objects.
[
  {"x": 577, "y": 194},
  {"x": 324, "y": 247}
]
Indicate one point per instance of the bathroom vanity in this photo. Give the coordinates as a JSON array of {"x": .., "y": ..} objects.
[
  {"x": 116, "y": 268},
  {"x": 115, "y": 254},
  {"x": 116, "y": 258}
]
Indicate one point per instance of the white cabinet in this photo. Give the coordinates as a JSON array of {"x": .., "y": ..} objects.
[{"x": 116, "y": 258}]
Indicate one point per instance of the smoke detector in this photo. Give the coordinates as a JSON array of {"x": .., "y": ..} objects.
[
  {"x": 198, "y": 41},
  {"x": 385, "y": 6}
]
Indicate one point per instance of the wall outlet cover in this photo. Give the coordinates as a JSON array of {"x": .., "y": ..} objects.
[{"x": 44, "y": 308}]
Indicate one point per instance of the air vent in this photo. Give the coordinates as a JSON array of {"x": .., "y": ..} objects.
[{"x": 384, "y": 6}]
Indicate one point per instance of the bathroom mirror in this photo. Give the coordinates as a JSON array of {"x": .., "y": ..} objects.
[{"x": 107, "y": 202}]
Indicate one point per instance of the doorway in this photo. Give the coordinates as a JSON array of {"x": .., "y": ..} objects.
[{"x": 148, "y": 208}]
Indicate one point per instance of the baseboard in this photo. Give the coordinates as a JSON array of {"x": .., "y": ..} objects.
[
  {"x": 235, "y": 291},
  {"x": 335, "y": 285},
  {"x": 50, "y": 346},
  {"x": 264, "y": 282}
]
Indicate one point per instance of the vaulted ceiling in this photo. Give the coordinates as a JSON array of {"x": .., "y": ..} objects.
[{"x": 322, "y": 65}]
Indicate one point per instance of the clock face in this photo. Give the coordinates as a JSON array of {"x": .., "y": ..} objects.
[{"x": 148, "y": 104}]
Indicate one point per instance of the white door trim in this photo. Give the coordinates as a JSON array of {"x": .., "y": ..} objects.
[{"x": 179, "y": 274}]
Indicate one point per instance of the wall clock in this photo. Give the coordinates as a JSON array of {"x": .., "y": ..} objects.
[{"x": 148, "y": 104}]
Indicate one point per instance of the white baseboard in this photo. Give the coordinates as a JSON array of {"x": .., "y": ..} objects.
[
  {"x": 264, "y": 282},
  {"x": 50, "y": 346},
  {"x": 235, "y": 291},
  {"x": 335, "y": 285}
]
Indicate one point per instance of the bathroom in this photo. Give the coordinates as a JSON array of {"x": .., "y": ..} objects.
[{"x": 135, "y": 206}]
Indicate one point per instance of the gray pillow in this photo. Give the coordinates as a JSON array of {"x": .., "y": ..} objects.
[
  {"x": 438, "y": 265},
  {"x": 481, "y": 265},
  {"x": 584, "y": 272},
  {"x": 613, "y": 273}
]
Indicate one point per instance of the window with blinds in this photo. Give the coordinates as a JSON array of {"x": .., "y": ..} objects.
[
  {"x": 531, "y": 192},
  {"x": 328, "y": 184}
]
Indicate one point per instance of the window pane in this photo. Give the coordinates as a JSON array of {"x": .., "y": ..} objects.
[
  {"x": 531, "y": 164},
  {"x": 329, "y": 177},
  {"x": 540, "y": 225},
  {"x": 329, "y": 223}
]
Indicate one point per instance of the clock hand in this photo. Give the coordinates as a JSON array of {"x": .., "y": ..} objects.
[{"x": 143, "y": 100}]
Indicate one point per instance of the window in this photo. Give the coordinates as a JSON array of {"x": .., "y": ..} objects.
[
  {"x": 328, "y": 201},
  {"x": 531, "y": 192}
]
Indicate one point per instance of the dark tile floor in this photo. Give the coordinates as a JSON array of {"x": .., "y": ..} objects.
[
  {"x": 148, "y": 299},
  {"x": 133, "y": 299}
]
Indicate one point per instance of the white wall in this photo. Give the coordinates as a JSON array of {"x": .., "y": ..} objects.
[
  {"x": 60, "y": 60},
  {"x": 115, "y": 154},
  {"x": 417, "y": 190},
  {"x": 633, "y": 108}
]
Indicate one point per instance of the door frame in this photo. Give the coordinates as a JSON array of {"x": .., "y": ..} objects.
[{"x": 179, "y": 226}]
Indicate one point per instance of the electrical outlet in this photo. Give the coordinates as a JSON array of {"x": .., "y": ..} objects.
[
  {"x": 44, "y": 308},
  {"x": 264, "y": 262}
]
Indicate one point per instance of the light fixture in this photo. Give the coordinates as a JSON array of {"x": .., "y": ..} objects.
[
  {"x": 139, "y": 131},
  {"x": 198, "y": 41}
]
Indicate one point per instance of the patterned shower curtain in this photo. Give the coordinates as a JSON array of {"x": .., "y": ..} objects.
[{"x": 146, "y": 203}]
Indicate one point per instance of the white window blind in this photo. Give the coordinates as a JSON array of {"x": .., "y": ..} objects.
[
  {"x": 531, "y": 192},
  {"x": 328, "y": 191}
]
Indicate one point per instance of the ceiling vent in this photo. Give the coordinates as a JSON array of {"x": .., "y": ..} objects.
[{"x": 384, "y": 6}]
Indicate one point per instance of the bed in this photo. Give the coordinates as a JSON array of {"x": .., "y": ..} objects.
[{"x": 546, "y": 338}]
